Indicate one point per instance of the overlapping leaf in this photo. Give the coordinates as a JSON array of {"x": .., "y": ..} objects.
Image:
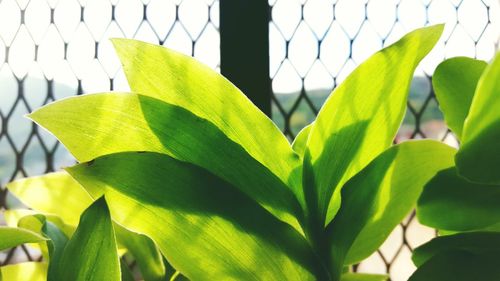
[
  {"x": 91, "y": 253},
  {"x": 479, "y": 156},
  {"x": 206, "y": 229},
  {"x": 100, "y": 124},
  {"x": 380, "y": 196},
  {"x": 360, "y": 120},
  {"x": 454, "y": 82},
  {"x": 450, "y": 202},
  {"x": 183, "y": 81},
  {"x": 12, "y": 237},
  {"x": 26, "y": 271}
]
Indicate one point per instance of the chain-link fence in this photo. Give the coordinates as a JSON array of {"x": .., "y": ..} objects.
[{"x": 50, "y": 49}]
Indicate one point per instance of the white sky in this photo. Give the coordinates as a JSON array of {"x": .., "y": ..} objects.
[{"x": 194, "y": 14}]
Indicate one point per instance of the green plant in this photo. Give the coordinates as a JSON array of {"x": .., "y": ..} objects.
[
  {"x": 189, "y": 161},
  {"x": 463, "y": 201}
]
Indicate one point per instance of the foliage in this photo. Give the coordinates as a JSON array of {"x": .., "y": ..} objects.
[
  {"x": 464, "y": 200},
  {"x": 187, "y": 161}
]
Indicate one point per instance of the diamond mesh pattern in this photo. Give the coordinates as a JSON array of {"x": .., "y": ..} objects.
[
  {"x": 51, "y": 49},
  {"x": 315, "y": 44}
]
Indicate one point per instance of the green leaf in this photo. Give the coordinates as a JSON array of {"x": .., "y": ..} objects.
[
  {"x": 360, "y": 120},
  {"x": 146, "y": 254},
  {"x": 450, "y": 202},
  {"x": 59, "y": 194},
  {"x": 479, "y": 156},
  {"x": 300, "y": 142},
  {"x": 53, "y": 193},
  {"x": 206, "y": 229},
  {"x": 91, "y": 253},
  {"x": 12, "y": 237},
  {"x": 474, "y": 242},
  {"x": 363, "y": 277},
  {"x": 26, "y": 271},
  {"x": 181, "y": 80},
  {"x": 100, "y": 124},
  {"x": 380, "y": 196},
  {"x": 454, "y": 83},
  {"x": 459, "y": 266}
]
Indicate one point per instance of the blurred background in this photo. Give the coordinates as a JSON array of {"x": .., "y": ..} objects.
[{"x": 51, "y": 49}]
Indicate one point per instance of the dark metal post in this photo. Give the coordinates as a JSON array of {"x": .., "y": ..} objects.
[{"x": 244, "y": 32}]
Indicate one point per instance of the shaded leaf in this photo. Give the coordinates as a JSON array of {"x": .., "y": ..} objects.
[
  {"x": 26, "y": 271},
  {"x": 454, "y": 82},
  {"x": 144, "y": 250},
  {"x": 127, "y": 275},
  {"x": 100, "y": 124},
  {"x": 450, "y": 202},
  {"x": 183, "y": 81},
  {"x": 459, "y": 266},
  {"x": 91, "y": 253},
  {"x": 363, "y": 277},
  {"x": 360, "y": 120},
  {"x": 205, "y": 228},
  {"x": 474, "y": 242},
  {"x": 479, "y": 156},
  {"x": 12, "y": 237},
  {"x": 380, "y": 196}
]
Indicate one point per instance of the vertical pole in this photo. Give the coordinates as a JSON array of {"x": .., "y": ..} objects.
[{"x": 244, "y": 32}]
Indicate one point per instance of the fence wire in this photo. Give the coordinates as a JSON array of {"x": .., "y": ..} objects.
[{"x": 50, "y": 49}]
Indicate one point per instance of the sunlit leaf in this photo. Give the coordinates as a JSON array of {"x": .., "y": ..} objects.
[
  {"x": 454, "y": 82},
  {"x": 360, "y": 120},
  {"x": 450, "y": 202},
  {"x": 26, "y": 271},
  {"x": 12, "y": 237},
  {"x": 181, "y": 80},
  {"x": 91, "y": 253},
  {"x": 299, "y": 144},
  {"x": 474, "y": 242},
  {"x": 204, "y": 227},
  {"x": 102, "y": 124},
  {"x": 479, "y": 156},
  {"x": 381, "y": 195},
  {"x": 53, "y": 193}
]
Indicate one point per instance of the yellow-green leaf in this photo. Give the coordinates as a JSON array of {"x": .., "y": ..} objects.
[
  {"x": 181, "y": 80},
  {"x": 12, "y": 237},
  {"x": 204, "y": 227},
  {"x": 360, "y": 120},
  {"x": 380, "y": 196},
  {"x": 26, "y": 271}
]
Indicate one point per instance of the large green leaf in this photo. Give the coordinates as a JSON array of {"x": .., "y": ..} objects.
[
  {"x": 474, "y": 242},
  {"x": 380, "y": 196},
  {"x": 363, "y": 277},
  {"x": 100, "y": 124},
  {"x": 91, "y": 253},
  {"x": 26, "y": 271},
  {"x": 54, "y": 193},
  {"x": 205, "y": 228},
  {"x": 479, "y": 157},
  {"x": 450, "y": 202},
  {"x": 181, "y": 80},
  {"x": 360, "y": 120},
  {"x": 454, "y": 83},
  {"x": 459, "y": 266},
  {"x": 12, "y": 237}
]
